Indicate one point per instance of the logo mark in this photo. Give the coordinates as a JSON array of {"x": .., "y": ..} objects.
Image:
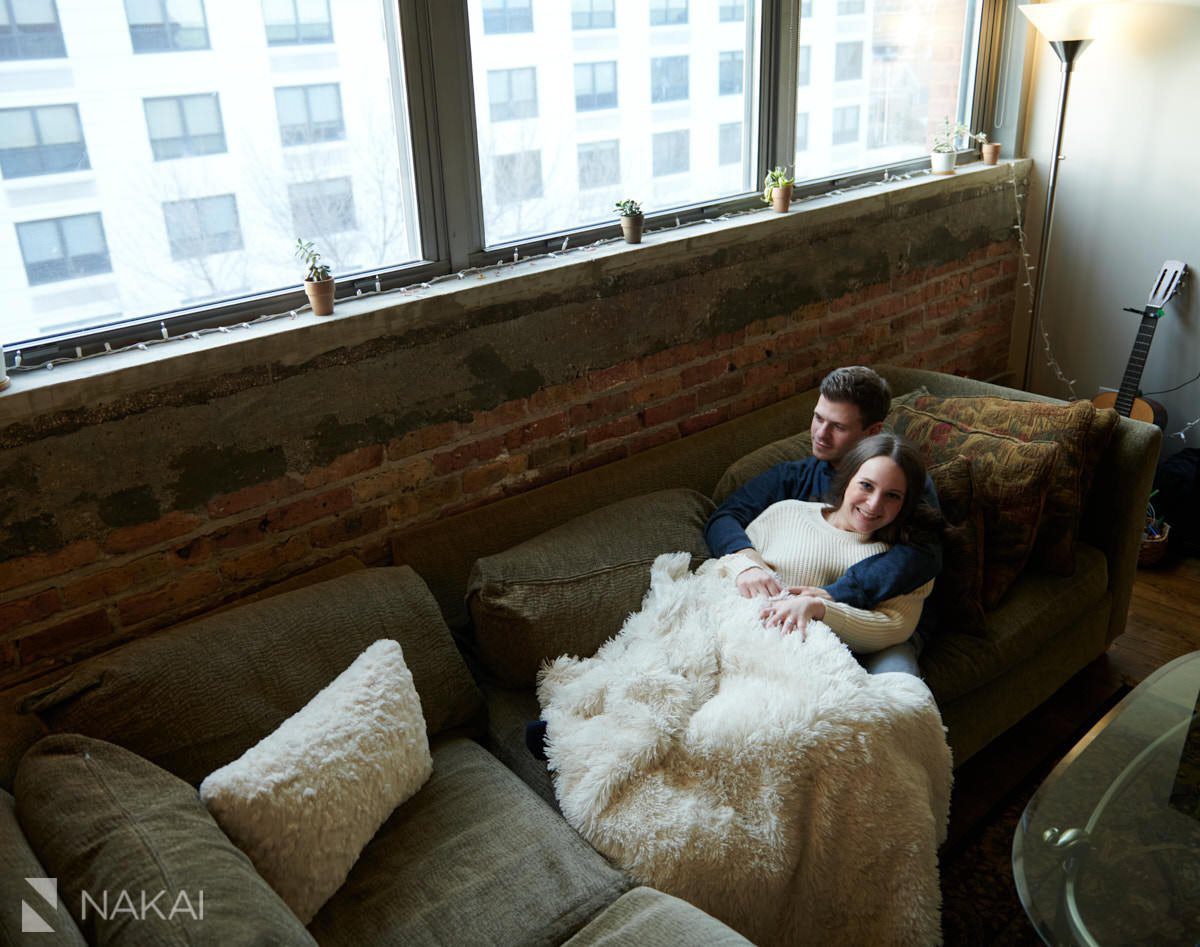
[{"x": 31, "y": 921}]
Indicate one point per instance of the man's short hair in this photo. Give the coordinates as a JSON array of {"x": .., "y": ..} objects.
[{"x": 860, "y": 386}]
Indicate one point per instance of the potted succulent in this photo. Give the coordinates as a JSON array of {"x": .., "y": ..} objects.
[
  {"x": 777, "y": 189},
  {"x": 632, "y": 220},
  {"x": 318, "y": 282},
  {"x": 945, "y": 146},
  {"x": 988, "y": 150}
]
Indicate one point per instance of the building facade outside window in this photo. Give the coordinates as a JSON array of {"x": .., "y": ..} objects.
[
  {"x": 848, "y": 62},
  {"x": 599, "y": 164},
  {"x": 63, "y": 248},
  {"x": 182, "y": 126},
  {"x": 668, "y": 78},
  {"x": 158, "y": 26},
  {"x": 802, "y": 131},
  {"x": 729, "y": 143},
  {"x": 729, "y": 80},
  {"x": 595, "y": 86},
  {"x": 43, "y": 140},
  {"x": 518, "y": 177},
  {"x": 845, "y": 124},
  {"x": 296, "y": 22},
  {"x": 671, "y": 152},
  {"x": 310, "y": 114},
  {"x": 668, "y": 12},
  {"x": 507, "y": 16},
  {"x": 851, "y": 7},
  {"x": 804, "y": 66},
  {"x": 29, "y": 29},
  {"x": 512, "y": 94},
  {"x": 731, "y": 12},
  {"x": 593, "y": 14},
  {"x": 202, "y": 226},
  {"x": 320, "y": 208}
]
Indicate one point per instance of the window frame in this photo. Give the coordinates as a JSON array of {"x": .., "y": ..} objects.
[
  {"x": 592, "y": 14},
  {"x": 593, "y": 96},
  {"x": 13, "y": 31},
  {"x": 508, "y": 105},
  {"x": 66, "y": 258},
  {"x": 429, "y": 38},
  {"x": 40, "y": 146},
  {"x": 188, "y": 136},
  {"x": 164, "y": 25},
  {"x": 308, "y": 123},
  {"x": 296, "y": 24},
  {"x": 194, "y": 205}
]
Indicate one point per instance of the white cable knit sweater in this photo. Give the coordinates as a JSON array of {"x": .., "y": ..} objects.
[{"x": 798, "y": 542}]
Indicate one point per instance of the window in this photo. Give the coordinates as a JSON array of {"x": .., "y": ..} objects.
[
  {"x": 185, "y": 125},
  {"x": 599, "y": 164},
  {"x": 63, "y": 248},
  {"x": 730, "y": 74},
  {"x": 321, "y": 208},
  {"x": 592, "y": 15},
  {"x": 671, "y": 152},
  {"x": 507, "y": 16},
  {"x": 595, "y": 86},
  {"x": 845, "y": 124},
  {"x": 309, "y": 113},
  {"x": 518, "y": 177},
  {"x": 733, "y": 11},
  {"x": 848, "y": 62},
  {"x": 667, "y": 12},
  {"x": 804, "y": 66},
  {"x": 729, "y": 143},
  {"x": 157, "y": 26},
  {"x": 202, "y": 227},
  {"x": 43, "y": 140},
  {"x": 802, "y": 131},
  {"x": 29, "y": 29},
  {"x": 291, "y": 22},
  {"x": 806, "y": 7},
  {"x": 512, "y": 93},
  {"x": 668, "y": 78},
  {"x": 851, "y": 7}
]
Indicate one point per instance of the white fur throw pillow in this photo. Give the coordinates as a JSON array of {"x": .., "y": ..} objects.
[{"x": 306, "y": 799}]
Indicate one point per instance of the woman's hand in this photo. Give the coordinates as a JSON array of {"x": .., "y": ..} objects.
[
  {"x": 793, "y": 613},
  {"x": 757, "y": 581},
  {"x": 813, "y": 590}
]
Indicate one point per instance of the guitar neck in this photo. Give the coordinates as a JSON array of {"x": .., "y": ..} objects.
[{"x": 1137, "y": 362}]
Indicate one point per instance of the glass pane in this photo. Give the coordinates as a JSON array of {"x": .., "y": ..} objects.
[
  {"x": 166, "y": 150},
  {"x": 16, "y": 129},
  {"x": 278, "y": 12},
  {"x": 874, "y": 78},
  {"x": 31, "y": 12},
  {"x": 623, "y": 85},
  {"x": 313, "y": 11}
]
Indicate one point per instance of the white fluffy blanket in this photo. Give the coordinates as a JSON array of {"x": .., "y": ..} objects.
[{"x": 768, "y": 780}]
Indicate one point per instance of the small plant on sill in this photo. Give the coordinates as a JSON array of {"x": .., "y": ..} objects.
[
  {"x": 629, "y": 208},
  {"x": 777, "y": 177},
  {"x": 318, "y": 282}
]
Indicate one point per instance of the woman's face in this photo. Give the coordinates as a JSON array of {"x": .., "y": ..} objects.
[{"x": 874, "y": 495}]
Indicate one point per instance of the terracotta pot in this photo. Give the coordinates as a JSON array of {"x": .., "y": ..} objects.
[
  {"x": 942, "y": 162},
  {"x": 781, "y": 198},
  {"x": 631, "y": 228},
  {"x": 991, "y": 152},
  {"x": 320, "y": 295}
]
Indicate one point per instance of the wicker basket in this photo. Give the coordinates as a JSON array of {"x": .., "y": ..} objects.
[{"x": 1153, "y": 548}]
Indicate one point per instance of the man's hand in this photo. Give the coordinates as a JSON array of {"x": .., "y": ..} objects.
[
  {"x": 757, "y": 581},
  {"x": 814, "y": 591},
  {"x": 793, "y": 613}
]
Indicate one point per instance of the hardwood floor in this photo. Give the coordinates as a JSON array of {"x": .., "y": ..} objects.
[{"x": 1164, "y": 620}]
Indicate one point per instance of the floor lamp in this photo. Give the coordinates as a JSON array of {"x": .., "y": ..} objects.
[{"x": 1068, "y": 26}]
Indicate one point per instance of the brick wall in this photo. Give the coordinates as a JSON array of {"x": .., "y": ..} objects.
[{"x": 107, "y": 584}]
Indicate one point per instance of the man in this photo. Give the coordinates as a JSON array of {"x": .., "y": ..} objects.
[{"x": 853, "y": 403}]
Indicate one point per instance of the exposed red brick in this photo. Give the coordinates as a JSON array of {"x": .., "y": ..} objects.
[
  {"x": 265, "y": 560},
  {"x": 617, "y": 428},
  {"x": 599, "y": 459},
  {"x": 545, "y": 455},
  {"x": 510, "y": 412},
  {"x": 32, "y": 608},
  {"x": 699, "y": 374},
  {"x": 698, "y": 422},
  {"x": 662, "y": 435},
  {"x": 607, "y": 378},
  {"x": 95, "y": 588},
  {"x": 190, "y": 589},
  {"x": 144, "y": 535},
  {"x": 245, "y": 533},
  {"x": 723, "y": 388},
  {"x": 352, "y": 525},
  {"x": 535, "y": 478},
  {"x": 407, "y": 476},
  {"x": 438, "y": 435},
  {"x": 461, "y": 456},
  {"x": 539, "y": 430},
  {"x": 480, "y": 478},
  {"x": 655, "y": 388},
  {"x": 29, "y": 569},
  {"x": 404, "y": 446},
  {"x": 261, "y": 494},
  {"x": 765, "y": 374},
  {"x": 992, "y": 271},
  {"x": 355, "y": 462},
  {"x": 307, "y": 510},
  {"x": 64, "y": 637},
  {"x": 595, "y": 409},
  {"x": 557, "y": 396},
  {"x": 669, "y": 410}
]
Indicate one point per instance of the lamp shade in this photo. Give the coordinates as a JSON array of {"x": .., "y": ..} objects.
[{"x": 1060, "y": 22}]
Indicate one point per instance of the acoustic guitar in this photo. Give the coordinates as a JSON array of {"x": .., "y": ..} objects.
[{"x": 1127, "y": 399}]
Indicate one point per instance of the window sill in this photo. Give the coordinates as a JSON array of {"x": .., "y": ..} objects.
[{"x": 290, "y": 342}]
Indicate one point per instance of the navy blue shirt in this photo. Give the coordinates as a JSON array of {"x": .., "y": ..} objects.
[{"x": 903, "y": 568}]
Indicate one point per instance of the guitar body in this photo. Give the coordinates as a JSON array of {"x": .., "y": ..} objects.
[{"x": 1144, "y": 409}]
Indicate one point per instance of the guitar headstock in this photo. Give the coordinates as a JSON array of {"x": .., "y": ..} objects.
[{"x": 1170, "y": 279}]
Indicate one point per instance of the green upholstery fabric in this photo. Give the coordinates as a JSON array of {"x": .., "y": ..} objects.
[
  {"x": 261, "y": 664},
  {"x": 648, "y": 918},
  {"x": 508, "y": 712},
  {"x": 102, "y": 819},
  {"x": 20, "y": 863},
  {"x": 1040, "y": 608},
  {"x": 569, "y": 590},
  {"x": 473, "y": 858}
]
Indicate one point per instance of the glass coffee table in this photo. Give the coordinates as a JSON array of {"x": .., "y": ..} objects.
[{"x": 1108, "y": 849}]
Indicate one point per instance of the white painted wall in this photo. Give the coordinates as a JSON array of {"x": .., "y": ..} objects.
[{"x": 1128, "y": 198}]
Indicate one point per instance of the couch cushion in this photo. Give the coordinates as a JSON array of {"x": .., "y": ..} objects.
[
  {"x": 195, "y": 697},
  {"x": 102, "y": 819},
  {"x": 569, "y": 590},
  {"x": 473, "y": 858},
  {"x": 649, "y": 918},
  {"x": 958, "y": 592},
  {"x": 20, "y": 863},
  {"x": 508, "y": 711},
  {"x": 1038, "y": 608},
  {"x": 1081, "y": 433},
  {"x": 1010, "y": 479}
]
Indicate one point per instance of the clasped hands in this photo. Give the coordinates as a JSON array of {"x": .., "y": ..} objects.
[{"x": 788, "y": 609}]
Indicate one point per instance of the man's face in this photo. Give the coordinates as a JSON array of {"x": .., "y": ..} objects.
[{"x": 836, "y": 427}]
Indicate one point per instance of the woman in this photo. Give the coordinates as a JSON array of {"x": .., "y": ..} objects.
[{"x": 874, "y": 497}]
